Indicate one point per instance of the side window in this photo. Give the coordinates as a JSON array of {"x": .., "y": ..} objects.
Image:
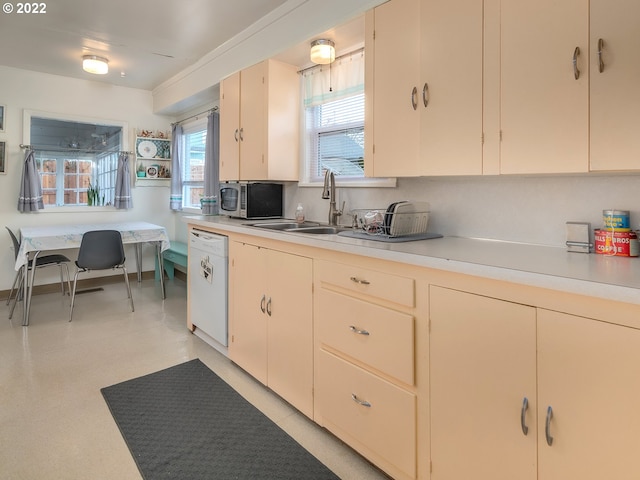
[{"x": 195, "y": 139}]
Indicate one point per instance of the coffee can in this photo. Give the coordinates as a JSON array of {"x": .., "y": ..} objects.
[
  {"x": 621, "y": 244},
  {"x": 617, "y": 220}
]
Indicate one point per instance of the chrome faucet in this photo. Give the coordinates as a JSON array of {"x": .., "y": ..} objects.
[{"x": 329, "y": 192}]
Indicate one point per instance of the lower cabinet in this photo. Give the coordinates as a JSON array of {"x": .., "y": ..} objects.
[
  {"x": 365, "y": 363},
  {"x": 271, "y": 328},
  {"x": 523, "y": 392}
]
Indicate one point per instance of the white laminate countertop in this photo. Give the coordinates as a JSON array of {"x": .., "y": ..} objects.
[{"x": 608, "y": 277}]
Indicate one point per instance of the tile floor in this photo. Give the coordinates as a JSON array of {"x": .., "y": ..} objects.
[{"x": 54, "y": 423}]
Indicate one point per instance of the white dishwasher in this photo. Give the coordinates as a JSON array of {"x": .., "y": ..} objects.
[{"x": 208, "y": 266}]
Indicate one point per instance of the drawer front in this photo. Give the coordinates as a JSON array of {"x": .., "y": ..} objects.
[
  {"x": 375, "y": 335},
  {"x": 386, "y": 427},
  {"x": 385, "y": 286}
]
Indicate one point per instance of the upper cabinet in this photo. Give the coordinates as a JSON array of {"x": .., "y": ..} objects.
[
  {"x": 544, "y": 85},
  {"x": 259, "y": 123},
  {"x": 424, "y": 88},
  {"x": 615, "y": 97}
]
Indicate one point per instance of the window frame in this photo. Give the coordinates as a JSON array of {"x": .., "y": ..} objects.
[
  {"x": 26, "y": 140},
  {"x": 196, "y": 126}
]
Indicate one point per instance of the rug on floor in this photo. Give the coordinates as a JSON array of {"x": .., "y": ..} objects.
[{"x": 185, "y": 422}]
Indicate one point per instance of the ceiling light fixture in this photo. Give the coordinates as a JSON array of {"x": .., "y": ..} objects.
[
  {"x": 322, "y": 51},
  {"x": 95, "y": 64}
]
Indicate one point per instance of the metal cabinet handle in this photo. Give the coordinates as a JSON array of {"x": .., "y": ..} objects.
[
  {"x": 600, "y": 62},
  {"x": 355, "y": 329},
  {"x": 242, "y": 134},
  {"x": 269, "y": 306},
  {"x": 360, "y": 281},
  {"x": 576, "y": 72},
  {"x": 235, "y": 134},
  {"x": 425, "y": 94},
  {"x": 414, "y": 98},
  {"x": 364, "y": 403},
  {"x": 264, "y": 298},
  {"x": 523, "y": 413},
  {"x": 547, "y": 426}
]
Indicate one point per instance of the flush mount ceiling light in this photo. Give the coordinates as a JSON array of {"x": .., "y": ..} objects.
[
  {"x": 322, "y": 51},
  {"x": 95, "y": 64}
]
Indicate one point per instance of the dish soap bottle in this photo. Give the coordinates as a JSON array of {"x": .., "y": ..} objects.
[{"x": 299, "y": 213}]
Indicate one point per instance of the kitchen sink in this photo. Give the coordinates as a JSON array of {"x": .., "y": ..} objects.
[
  {"x": 311, "y": 228},
  {"x": 284, "y": 225}
]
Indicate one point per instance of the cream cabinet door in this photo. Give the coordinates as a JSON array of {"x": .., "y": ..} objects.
[
  {"x": 544, "y": 107},
  {"x": 248, "y": 323},
  {"x": 482, "y": 367},
  {"x": 615, "y": 96},
  {"x": 450, "y": 88},
  {"x": 230, "y": 128},
  {"x": 253, "y": 123},
  {"x": 589, "y": 374},
  {"x": 392, "y": 140},
  {"x": 290, "y": 329}
]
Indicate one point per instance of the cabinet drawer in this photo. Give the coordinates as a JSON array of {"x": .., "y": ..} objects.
[
  {"x": 387, "y": 427},
  {"x": 385, "y": 286},
  {"x": 378, "y": 336}
]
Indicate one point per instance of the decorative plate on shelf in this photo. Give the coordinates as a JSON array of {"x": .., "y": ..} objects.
[
  {"x": 147, "y": 149},
  {"x": 152, "y": 172}
]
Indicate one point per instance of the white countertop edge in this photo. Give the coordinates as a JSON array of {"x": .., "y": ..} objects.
[{"x": 392, "y": 252}]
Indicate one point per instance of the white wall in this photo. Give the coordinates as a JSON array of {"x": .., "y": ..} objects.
[
  {"x": 513, "y": 208},
  {"x": 21, "y": 89}
]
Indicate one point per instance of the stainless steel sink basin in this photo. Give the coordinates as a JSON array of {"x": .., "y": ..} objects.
[
  {"x": 312, "y": 228},
  {"x": 320, "y": 230},
  {"x": 285, "y": 225}
]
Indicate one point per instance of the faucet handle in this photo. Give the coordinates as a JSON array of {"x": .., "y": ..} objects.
[{"x": 339, "y": 212}]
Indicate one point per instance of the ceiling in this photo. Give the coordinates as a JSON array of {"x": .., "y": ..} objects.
[{"x": 146, "y": 41}]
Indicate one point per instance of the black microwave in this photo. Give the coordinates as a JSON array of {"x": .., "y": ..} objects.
[{"x": 251, "y": 200}]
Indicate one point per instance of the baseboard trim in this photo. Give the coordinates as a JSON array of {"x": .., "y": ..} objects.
[{"x": 95, "y": 282}]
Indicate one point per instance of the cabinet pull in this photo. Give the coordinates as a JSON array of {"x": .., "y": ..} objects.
[
  {"x": 523, "y": 413},
  {"x": 264, "y": 298},
  {"x": 576, "y": 72},
  {"x": 364, "y": 403},
  {"x": 360, "y": 281},
  {"x": 269, "y": 306},
  {"x": 414, "y": 98},
  {"x": 235, "y": 134},
  {"x": 355, "y": 329},
  {"x": 600, "y": 62},
  {"x": 425, "y": 94},
  {"x": 241, "y": 135},
  {"x": 547, "y": 426}
]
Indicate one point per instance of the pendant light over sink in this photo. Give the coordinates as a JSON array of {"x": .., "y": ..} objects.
[{"x": 323, "y": 51}]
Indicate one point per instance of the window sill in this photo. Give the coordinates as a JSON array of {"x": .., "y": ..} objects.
[
  {"x": 77, "y": 208},
  {"x": 360, "y": 183}
]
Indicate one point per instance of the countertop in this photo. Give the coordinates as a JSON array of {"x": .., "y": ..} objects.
[{"x": 607, "y": 277}]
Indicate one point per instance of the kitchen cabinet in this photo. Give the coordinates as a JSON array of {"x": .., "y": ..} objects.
[
  {"x": 488, "y": 355},
  {"x": 482, "y": 367},
  {"x": 259, "y": 123},
  {"x": 615, "y": 97},
  {"x": 365, "y": 363},
  {"x": 424, "y": 88},
  {"x": 270, "y": 327},
  {"x": 544, "y": 85},
  {"x": 392, "y": 75}
]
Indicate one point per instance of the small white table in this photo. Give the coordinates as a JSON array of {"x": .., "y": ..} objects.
[{"x": 59, "y": 237}]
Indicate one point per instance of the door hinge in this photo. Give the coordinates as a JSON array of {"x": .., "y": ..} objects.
[
  {"x": 500, "y": 135},
  {"x": 233, "y": 338},
  {"x": 482, "y": 138},
  {"x": 430, "y": 466}
]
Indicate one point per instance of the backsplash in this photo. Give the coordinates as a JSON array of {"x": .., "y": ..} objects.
[{"x": 511, "y": 208}]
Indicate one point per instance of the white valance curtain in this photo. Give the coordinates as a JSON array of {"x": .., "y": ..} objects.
[{"x": 326, "y": 83}]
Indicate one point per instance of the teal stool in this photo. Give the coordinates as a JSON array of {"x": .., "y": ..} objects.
[{"x": 174, "y": 255}]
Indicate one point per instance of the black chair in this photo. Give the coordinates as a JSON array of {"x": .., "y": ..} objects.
[
  {"x": 100, "y": 250},
  {"x": 42, "y": 261}
]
